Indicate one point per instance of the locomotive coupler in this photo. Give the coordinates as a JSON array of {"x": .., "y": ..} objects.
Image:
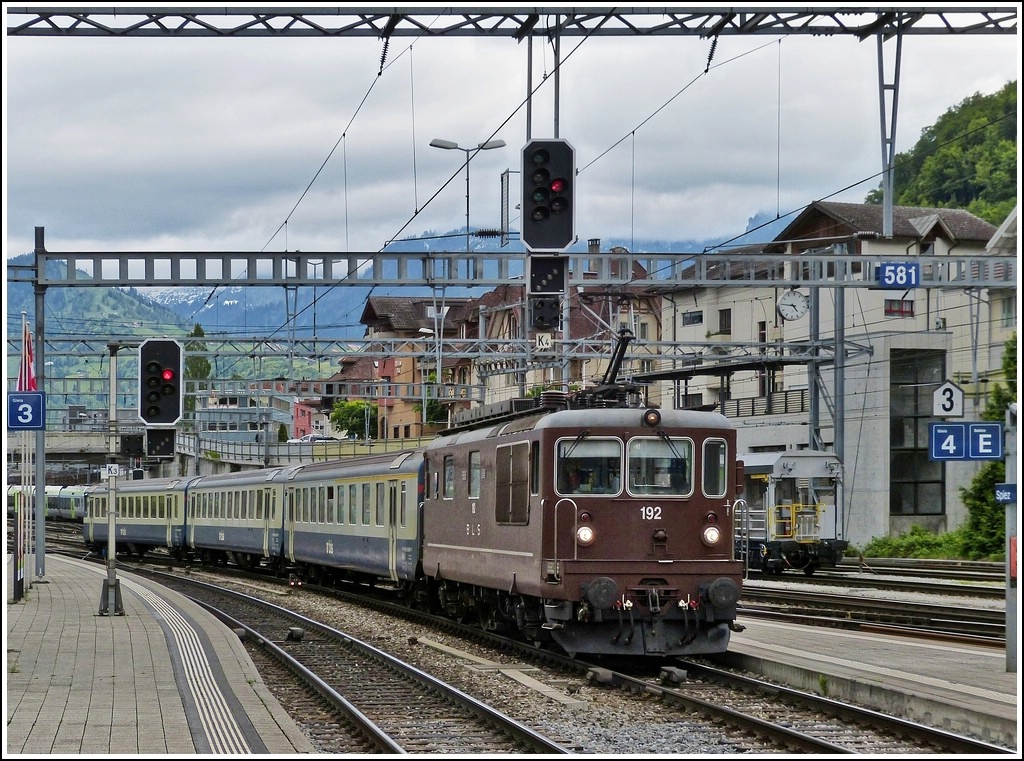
[{"x": 653, "y": 600}]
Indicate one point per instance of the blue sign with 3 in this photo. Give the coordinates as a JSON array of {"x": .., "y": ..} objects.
[{"x": 26, "y": 411}]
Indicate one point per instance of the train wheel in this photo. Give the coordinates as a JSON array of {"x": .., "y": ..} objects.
[{"x": 809, "y": 570}]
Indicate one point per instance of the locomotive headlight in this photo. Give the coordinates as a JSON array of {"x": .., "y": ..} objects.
[
  {"x": 711, "y": 535},
  {"x": 585, "y": 535},
  {"x": 651, "y": 417}
]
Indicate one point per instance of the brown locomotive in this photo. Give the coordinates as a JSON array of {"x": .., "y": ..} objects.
[{"x": 603, "y": 527}]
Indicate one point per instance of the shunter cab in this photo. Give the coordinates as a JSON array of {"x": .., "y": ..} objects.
[{"x": 788, "y": 519}]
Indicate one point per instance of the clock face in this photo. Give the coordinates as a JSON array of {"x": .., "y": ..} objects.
[{"x": 792, "y": 305}]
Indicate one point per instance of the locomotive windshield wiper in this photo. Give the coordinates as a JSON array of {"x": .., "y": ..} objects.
[
  {"x": 671, "y": 445},
  {"x": 575, "y": 443}
]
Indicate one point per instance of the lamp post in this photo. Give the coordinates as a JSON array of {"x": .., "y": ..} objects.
[{"x": 448, "y": 145}]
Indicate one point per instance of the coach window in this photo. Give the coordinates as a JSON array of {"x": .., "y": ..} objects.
[
  {"x": 367, "y": 501},
  {"x": 321, "y": 507},
  {"x": 330, "y": 504},
  {"x": 353, "y": 504},
  {"x": 715, "y": 467},
  {"x": 474, "y": 475},
  {"x": 161, "y": 507},
  {"x": 381, "y": 505},
  {"x": 660, "y": 466},
  {"x": 405, "y": 497}
]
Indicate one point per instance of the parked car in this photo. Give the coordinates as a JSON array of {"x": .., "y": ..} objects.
[{"x": 311, "y": 438}]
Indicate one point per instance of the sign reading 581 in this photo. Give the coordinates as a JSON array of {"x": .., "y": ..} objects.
[
  {"x": 899, "y": 275},
  {"x": 26, "y": 411}
]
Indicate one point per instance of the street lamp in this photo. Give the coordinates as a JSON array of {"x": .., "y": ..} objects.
[{"x": 448, "y": 145}]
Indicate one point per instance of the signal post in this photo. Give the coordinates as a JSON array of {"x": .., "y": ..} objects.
[{"x": 548, "y": 228}]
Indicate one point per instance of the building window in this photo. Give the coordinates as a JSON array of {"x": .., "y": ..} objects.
[
  {"x": 1009, "y": 316},
  {"x": 725, "y": 322},
  {"x": 916, "y": 484},
  {"x": 643, "y": 331},
  {"x": 691, "y": 318},
  {"x": 690, "y": 401},
  {"x": 899, "y": 308}
]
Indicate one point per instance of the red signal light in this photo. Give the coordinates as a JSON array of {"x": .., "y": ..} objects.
[
  {"x": 558, "y": 185},
  {"x": 167, "y": 374}
]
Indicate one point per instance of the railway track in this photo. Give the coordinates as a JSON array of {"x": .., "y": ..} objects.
[
  {"x": 788, "y": 720},
  {"x": 394, "y": 706},
  {"x": 859, "y": 611},
  {"x": 749, "y": 714}
]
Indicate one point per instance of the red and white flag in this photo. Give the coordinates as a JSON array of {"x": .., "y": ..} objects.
[{"x": 27, "y": 369}]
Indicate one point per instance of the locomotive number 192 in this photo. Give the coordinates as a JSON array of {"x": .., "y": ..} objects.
[{"x": 650, "y": 513}]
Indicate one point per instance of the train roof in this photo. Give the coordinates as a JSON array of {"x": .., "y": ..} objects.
[
  {"x": 631, "y": 417},
  {"x": 402, "y": 461}
]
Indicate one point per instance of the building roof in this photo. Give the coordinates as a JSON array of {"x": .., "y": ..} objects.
[
  {"x": 907, "y": 222},
  {"x": 402, "y": 314}
]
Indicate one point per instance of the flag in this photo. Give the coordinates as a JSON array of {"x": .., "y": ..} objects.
[{"x": 27, "y": 370}]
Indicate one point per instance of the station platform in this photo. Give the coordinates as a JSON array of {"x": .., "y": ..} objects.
[
  {"x": 164, "y": 678},
  {"x": 964, "y": 689}
]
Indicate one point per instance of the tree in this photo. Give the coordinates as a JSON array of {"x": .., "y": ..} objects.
[
  {"x": 985, "y": 530},
  {"x": 197, "y": 367},
  {"x": 358, "y": 417},
  {"x": 966, "y": 160},
  {"x": 437, "y": 411}
]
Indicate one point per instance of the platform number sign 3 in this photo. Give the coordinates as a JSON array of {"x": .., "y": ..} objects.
[{"x": 948, "y": 401}]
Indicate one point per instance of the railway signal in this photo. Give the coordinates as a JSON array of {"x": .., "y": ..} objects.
[
  {"x": 160, "y": 378},
  {"x": 548, "y": 274},
  {"x": 548, "y": 208},
  {"x": 160, "y": 442},
  {"x": 544, "y": 312}
]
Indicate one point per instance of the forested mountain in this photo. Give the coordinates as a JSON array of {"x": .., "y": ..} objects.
[{"x": 966, "y": 160}]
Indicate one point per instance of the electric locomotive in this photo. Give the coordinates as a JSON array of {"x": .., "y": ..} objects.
[{"x": 587, "y": 521}]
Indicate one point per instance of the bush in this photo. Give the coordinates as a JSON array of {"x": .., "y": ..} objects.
[{"x": 918, "y": 543}]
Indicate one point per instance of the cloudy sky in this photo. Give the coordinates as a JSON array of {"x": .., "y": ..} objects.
[{"x": 305, "y": 144}]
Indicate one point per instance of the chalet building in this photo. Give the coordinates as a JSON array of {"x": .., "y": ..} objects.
[{"x": 787, "y": 366}]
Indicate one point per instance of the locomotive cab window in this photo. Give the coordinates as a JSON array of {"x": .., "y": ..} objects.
[
  {"x": 715, "y": 468},
  {"x": 448, "y": 477},
  {"x": 590, "y": 466},
  {"x": 474, "y": 475},
  {"x": 662, "y": 466}
]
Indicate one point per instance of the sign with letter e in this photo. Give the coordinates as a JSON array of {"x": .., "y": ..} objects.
[{"x": 985, "y": 441}]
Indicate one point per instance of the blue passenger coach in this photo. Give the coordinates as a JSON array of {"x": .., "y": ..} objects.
[
  {"x": 353, "y": 518},
  {"x": 150, "y": 513}
]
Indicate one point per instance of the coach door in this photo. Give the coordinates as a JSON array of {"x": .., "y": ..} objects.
[
  {"x": 392, "y": 528},
  {"x": 288, "y": 508}
]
